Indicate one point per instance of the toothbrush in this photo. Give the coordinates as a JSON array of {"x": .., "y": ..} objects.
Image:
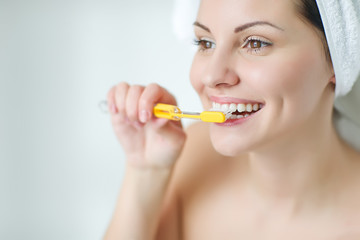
[{"x": 172, "y": 112}]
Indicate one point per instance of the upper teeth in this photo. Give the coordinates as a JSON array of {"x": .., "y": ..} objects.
[{"x": 232, "y": 107}]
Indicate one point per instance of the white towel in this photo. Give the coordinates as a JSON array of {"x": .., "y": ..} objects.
[{"x": 341, "y": 20}]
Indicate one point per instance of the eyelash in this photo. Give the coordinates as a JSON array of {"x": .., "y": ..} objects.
[
  {"x": 251, "y": 40},
  {"x": 201, "y": 43}
]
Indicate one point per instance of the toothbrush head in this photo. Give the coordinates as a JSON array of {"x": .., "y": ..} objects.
[{"x": 212, "y": 116}]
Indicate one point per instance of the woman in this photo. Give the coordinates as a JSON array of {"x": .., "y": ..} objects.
[{"x": 278, "y": 171}]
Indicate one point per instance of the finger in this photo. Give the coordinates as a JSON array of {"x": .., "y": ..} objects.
[
  {"x": 153, "y": 94},
  {"x": 111, "y": 100},
  {"x": 132, "y": 100},
  {"x": 120, "y": 98}
]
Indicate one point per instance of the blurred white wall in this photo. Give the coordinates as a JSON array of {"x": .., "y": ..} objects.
[{"x": 60, "y": 164}]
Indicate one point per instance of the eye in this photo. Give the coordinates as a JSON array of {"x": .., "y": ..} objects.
[
  {"x": 204, "y": 44},
  {"x": 255, "y": 44}
]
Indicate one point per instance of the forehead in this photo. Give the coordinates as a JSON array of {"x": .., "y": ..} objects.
[{"x": 229, "y": 13}]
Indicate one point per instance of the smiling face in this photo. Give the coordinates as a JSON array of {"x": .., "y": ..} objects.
[{"x": 260, "y": 54}]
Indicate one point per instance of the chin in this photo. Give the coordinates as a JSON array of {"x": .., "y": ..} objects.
[{"x": 229, "y": 147}]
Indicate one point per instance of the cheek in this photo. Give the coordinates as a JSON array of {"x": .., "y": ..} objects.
[
  {"x": 195, "y": 75},
  {"x": 290, "y": 79}
]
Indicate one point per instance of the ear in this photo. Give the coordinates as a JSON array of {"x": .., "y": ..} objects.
[{"x": 332, "y": 79}]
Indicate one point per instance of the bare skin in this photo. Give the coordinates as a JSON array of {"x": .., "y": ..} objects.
[
  {"x": 280, "y": 173},
  {"x": 220, "y": 200}
]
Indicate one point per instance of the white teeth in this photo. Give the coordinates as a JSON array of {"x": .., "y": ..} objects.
[
  {"x": 225, "y": 107},
  {"x": 248, "y": 107},
  {"x": 229, "y": 108},
  {"x": 217, "y": 106},
  {"x": 232, "y": 107},
  {"x": 241, "y": 107}
]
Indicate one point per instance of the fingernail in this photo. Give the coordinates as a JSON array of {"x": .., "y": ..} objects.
[{"x": 144, "y": 116}]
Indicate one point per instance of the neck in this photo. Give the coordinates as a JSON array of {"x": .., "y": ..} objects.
[{"x": 299, "y": 170}]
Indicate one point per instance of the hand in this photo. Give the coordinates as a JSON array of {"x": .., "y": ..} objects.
[{"x": 148, "y": 142}]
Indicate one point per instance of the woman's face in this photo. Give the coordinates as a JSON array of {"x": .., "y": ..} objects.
[{"x": 259, "y": 54}]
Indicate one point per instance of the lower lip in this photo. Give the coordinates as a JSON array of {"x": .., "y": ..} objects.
[{"x": 233, "y": 122}]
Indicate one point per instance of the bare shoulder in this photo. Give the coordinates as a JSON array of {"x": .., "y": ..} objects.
[
  {"x": 197, "y": 148},
  {"x": 197, "y": 159}
]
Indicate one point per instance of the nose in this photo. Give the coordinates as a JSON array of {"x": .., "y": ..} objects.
[{"x": 219, "y": 72}]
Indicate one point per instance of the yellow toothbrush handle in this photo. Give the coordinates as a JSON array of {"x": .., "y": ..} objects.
[
  {"x": 167, "y": 111},
  {"x": 174, "y": 113}
]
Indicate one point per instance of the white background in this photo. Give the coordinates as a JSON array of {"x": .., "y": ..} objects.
[{"x": 60, "y": 164}]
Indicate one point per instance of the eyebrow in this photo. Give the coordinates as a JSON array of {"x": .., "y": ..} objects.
[
  {"x": 201, "y": 26},
  {"x": 252, "y": 24},
  {"x": 241, "y": 27}
]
